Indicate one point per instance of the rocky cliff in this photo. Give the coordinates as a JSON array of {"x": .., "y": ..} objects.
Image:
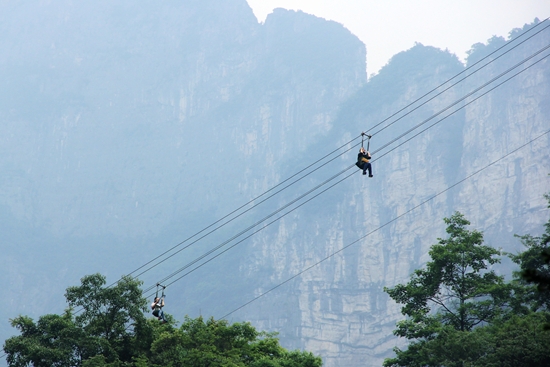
[
  {"x": 125, "y": 129},
  {"x": 366, "y": 227}
]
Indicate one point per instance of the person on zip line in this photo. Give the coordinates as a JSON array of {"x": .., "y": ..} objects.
[{"x": 363, "y": 161}]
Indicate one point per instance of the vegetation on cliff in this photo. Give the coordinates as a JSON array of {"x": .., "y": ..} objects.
[{"x": 460, "y": 313}]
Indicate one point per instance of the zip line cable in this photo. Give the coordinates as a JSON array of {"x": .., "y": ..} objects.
[
  {"x": 251, "y": 226},
  {"x": 350, "y": 176},
  {"x": 255, "y": 225},
  {"x": 250, "y": 235},
  {"x": 185, "y": 267},
  {"x": 318, "y": 186},
  {"x": 475, "y": 91},
  {"x": 382, "y": 226},
  {"x": 461, "y": 80},
  {"x": 345, "y": 178},
  {"x": 302, "y": 196},
  {"x": 384, "y": 146},
  {"x": 337, "y": 149},
  {"x": 344, "y": 145},
  {"x": 324, "y": 164},
  {"x": 329, "y": 154}
]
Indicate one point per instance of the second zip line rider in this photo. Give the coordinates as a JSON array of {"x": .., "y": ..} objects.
[{"x": 158, "y": 304}]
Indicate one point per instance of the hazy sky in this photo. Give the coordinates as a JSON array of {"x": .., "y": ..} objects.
[{"x": 390, "y": 26}]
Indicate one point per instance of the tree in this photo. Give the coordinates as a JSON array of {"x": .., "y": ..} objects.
[
  {"x": 108, "y": 323},
  {"x": 109, "y": 329},
  {"x": 453, "y": 293},
  {"x": 519, "y": 340},
  {"x": 52, "y": 341},
  {"x": 534, "y": 265},
  {"x": 214, "y": 343},
  {"x": 111, "y": 315}
]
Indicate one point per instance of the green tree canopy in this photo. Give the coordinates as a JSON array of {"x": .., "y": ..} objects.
[
  {"x": 106, "y": 326},
  {"x": 454, "y": 292},
  {"x": 218, "y": 344},
  {"x": 534, "y": 264},
  {"x": 107, "y": 322},
  {"x": 459, "y": 313},
  {"x": 456, "y": 283},
  {"x": 53, "y": 341}
]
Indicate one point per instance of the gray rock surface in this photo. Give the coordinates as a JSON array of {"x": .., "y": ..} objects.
[{"x": 124, "y": 129}]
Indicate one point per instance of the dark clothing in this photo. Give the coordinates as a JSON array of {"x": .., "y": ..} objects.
[
  {"x": 363, "y": 157},
  {"x": 363, "y": 163}
]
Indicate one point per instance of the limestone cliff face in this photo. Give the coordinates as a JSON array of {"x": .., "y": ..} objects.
[
  {"x": 504, "y": 120},
  {"x": 126, "y": 118},
  {"x": 125, "y": 128},
  {"x": 344, "y": 314}
]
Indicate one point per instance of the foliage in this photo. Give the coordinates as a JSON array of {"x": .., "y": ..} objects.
[
  {"x": 100, "y": 329},
  {"x": 52, "y": 341},
  {"x": 481, "y": 50},
  {"x": 461, "y": 314},
  {"x": 216, "y": 343},
  {"x": 534, "y": 265},
  {"x": 515, "y": 341},
  {"x": 519, "y": 31},
  {"x": 110, "y": 329},
  {"x": 456, "y": 284}
]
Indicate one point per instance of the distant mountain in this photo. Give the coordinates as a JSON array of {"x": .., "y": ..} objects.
[
  {"x": 365, "y": 234},
  {"x": 125, "y": 129}
]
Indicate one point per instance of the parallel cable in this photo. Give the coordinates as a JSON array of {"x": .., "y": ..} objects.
[
  {"x": 252, "y": 234},
  {"x": 461, "y": 80},
  {"x": 327, "y": 155},
  {"x": 410, "y": 130},
  {"x": 333, "y": 177},
  {"x": 384, "y": 146},
  {"x": 253, "y": 225},
  {"x": 382, "y": 226},
  {"x": 256, "y": 224},
  {"x": 332, "y": 159},
  {"x": 322, "y": 158},
  {"x": 344, "y": 145}
]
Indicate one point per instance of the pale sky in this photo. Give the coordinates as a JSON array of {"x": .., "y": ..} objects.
[{"x": 387, "y": 27}]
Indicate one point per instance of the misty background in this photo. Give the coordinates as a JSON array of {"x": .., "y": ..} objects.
[{"x": 124, "y": 130}]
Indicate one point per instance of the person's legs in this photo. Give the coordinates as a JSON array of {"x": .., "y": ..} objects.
[
  {"x": 161, "y": 314},
  {"x": 369, "y": 167}
]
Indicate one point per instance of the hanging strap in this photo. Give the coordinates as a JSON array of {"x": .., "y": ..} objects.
[
  {"x": 363, "y": 134},
  {"x": 163, "y": 288}
]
